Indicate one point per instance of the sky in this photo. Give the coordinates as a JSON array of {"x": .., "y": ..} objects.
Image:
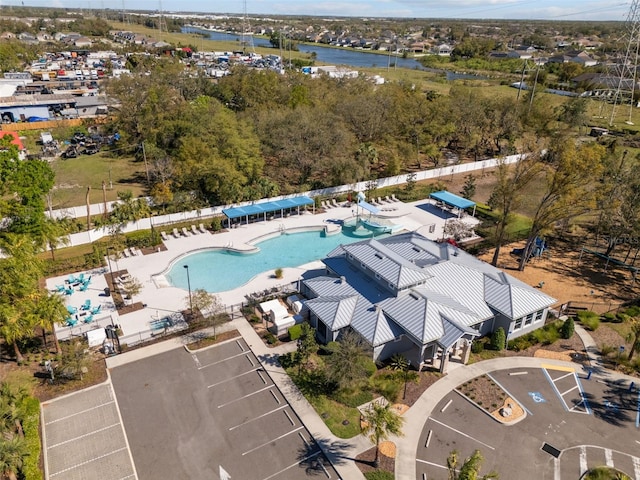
[{"x": 465, "y": 9}]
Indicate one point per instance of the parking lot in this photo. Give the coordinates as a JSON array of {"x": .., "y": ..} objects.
[
  {"x": 213, "y": 414},
  {"x": 572, "y": 424},
  {"x": 83, "y": 437}
]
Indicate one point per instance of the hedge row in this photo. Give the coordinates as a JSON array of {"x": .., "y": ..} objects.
[{"x": 30, "y": 425}]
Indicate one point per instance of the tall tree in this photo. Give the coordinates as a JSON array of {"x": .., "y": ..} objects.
[
  {"x": 506, "y": 195},
  {"x": 346, "y": 363},
  {"x": 570, "y": 188},
  {"x": 50, "y": 310},
  {"x": 380, "y": 422}
]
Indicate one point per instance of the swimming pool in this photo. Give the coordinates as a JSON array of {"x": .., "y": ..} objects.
[{"x": 219, "y": 270}]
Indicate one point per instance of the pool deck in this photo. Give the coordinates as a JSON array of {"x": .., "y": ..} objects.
[{"x": 162, "y": 299}]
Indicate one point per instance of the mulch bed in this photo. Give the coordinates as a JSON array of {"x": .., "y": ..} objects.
[
  {"x": 365, "y": 460},
  {"x": 207, "y": 341}
]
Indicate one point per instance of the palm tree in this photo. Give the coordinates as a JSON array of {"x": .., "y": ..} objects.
[
  {"x": 469, "y": 469},
  {"x": 50, "y": 309},
  {"x": 53, "y": 234},
  {"x": 381, "y": 422},
  {"x": 14, "y": 326},
  {"x": 12, "y": 455}
]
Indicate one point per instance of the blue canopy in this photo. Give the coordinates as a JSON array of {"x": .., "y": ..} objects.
[
  {"x": 266, "y": 207},
  {"x": 452, "y": 200}
]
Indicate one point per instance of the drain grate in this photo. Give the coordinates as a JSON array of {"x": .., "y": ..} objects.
[{"x": 551, "y": 450}]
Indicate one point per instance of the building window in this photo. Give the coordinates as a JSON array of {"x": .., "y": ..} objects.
[
  {"x": 539, "y": 315},
  {"x": 528, "y": 320},
  {"x": 518, "y": 324}
]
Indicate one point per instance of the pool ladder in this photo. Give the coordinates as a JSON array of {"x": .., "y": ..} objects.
[{"x": 282, "y": 228}]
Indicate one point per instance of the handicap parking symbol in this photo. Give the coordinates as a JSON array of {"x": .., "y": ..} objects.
[{"x": 537, "y": 397}]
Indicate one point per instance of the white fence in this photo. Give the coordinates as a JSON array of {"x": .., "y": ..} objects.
[{"x": 198, "y": 216}]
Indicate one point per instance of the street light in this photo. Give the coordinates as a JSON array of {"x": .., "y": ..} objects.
[
  {"x": 406, "y": 374},
  {"x": 113, "y": 284},
  {"x": 189, "y": 286}
]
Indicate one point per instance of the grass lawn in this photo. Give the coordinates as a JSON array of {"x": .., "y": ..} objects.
[
  {"x": 335, "y": 415},
  {"x": 74, "y": 175}
]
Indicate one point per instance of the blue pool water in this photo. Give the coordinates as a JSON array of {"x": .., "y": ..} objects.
[{"x": 221, "y": 270}]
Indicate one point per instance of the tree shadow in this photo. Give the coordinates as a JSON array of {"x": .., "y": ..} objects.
[
  {"x": 312, "y": 454},
  {"x": 618, "y": 404}
]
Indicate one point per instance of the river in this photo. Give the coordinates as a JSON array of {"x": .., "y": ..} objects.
[{"x": 337, "y": 56}]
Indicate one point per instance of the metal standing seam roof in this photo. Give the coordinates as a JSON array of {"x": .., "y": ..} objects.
[
  {"x": 266, "y": 207},
  {"x": 376, "y": 328},
  {"x": 335, "y": 312},
  {"x": 453, "y": 332},
  {"x": 512, "y": 298},
  {"x": 421, "y": 312},
  {"x": 393, "y": 268},
  {"x": 452, "y": 199}
]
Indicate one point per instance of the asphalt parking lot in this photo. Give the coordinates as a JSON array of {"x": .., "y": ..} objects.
[
  {"x": 213, "y": 414},
  {"x": 83, "y": 437},
  {"x": 580, "y": 424}
]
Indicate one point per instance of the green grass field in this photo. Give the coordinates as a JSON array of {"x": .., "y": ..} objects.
[{"x": 75, "y": 175}]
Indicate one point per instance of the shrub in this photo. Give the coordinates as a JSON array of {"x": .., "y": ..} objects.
[
  {"x": 477, "y": 346},
  {"x": 271, "y": 338},
  {"x": 369, "y": 366},
  {"x": 521, "y": 343},
  {"x": 352, "y": 398},
  {"x": 287, "y": 360},
  {"x": 295, "y": 332},
  {"x": 216, "y": 224},
  {"x": 590, "y": 320},
  {"x": 568, "y": 328},
  {"x": 278, "y": 273},
  {"x": 609, "y": 317},
  {"x": 379, "y": 475},
  {"x": 606, "y": 349},
  {"x": 30, "y": 424},
  {"x": 498, "y": 339}
]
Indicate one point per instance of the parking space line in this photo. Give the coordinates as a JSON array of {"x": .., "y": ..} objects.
[
  {"x": 271, "y": 441},
  {"x": 245, "y": 396},
  {"x": 240, "y": 346},
  {"x": 200, "y": 367},
  {"x": 233, "y": 378},
  {"x": 638, "y": 411},
  {"x": 128, "y": 476},
  {"x": 85, "y": 435},
  {"x": 570, "y": 390},
  {"x": 560, "y": 395},
  {"x": 87, "y": 462},
  {"x": 564, "y": 376},
  {"x": 196, "y": 360},
  {"x": 298, "y": 463},
  {"x": 275, "y": 397},
  {"x": 257, "y": 418},
  {"x": 66, "y": 417},
  {"x": 560, "y": 368},
  {"x": 432, "y": 464},
  {"x": 293, "y": 424},
  {"x": 461, "y": 433}
]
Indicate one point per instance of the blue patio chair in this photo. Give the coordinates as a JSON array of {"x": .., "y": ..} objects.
[
  {"x": 60, "y": 288},
  {"x": 68, "y": 291},
  {"x": 80, "y": 278},
  {"x": 88, "y": 319},
  {"x": 83, "y": 287},
  {"x": 72, "y": 279},
  {"x": 71, "y": 309},
  {"x": 96, "y": 310},
  {"x": 71, "y": 321},
  {"x": 86, "y": 305}
]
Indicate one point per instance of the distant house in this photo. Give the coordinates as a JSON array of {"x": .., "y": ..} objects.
[
  {"x": 443, "y": 50},
  {"x": 15, "y": 140},
  {"x": 425, "y": 300},
  {"x": 83, "y": 42},
  {"x": 576, "y": 57}
]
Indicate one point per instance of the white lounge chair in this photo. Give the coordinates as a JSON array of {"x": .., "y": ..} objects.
[
  {"x": 387, "y": 199},
  {"x": 176, "y": 233},
  {"x": 125, "y": 253},
  {"x": 324, "y": 204},
  {"x": 164, "y": 235},
  {"x": 335, "y": 202},
  {"x": 202, "y": 228},
  {"x": 380, "y": 202},
  {"x": 393, "y": 197},
  {"x": 193, "y": 229},
  {"x": 184, "y": 231}
]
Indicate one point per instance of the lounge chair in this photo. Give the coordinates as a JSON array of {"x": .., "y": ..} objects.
[
  {"x": 334, "y": 202},
  {"x": 72, "y": 279},
  {"x": 125, "y": 253},
  {"x": 88, "y": 318},
  {"x": 176, "y": 233},
  {"x": 194, "y": 230},
  {"x": 164, "y": 235},
  {"x": 184, "y": 231},
  {"x": 202, "y": 228},
  {"x": 83, "y": 287},
  {"x": 68, "y": 291},
  {"x": 387, "y": 199},
  {"x": 393, "y": 197},
  {"x": 96, "y": 310},
  {"x": 60, "y": 288},
  {"x": 72, "y": 310},
  {"x": 323, "y": 204},
  {"x": 86, "y": 305},
  {"x": 70, "y": 321}
]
